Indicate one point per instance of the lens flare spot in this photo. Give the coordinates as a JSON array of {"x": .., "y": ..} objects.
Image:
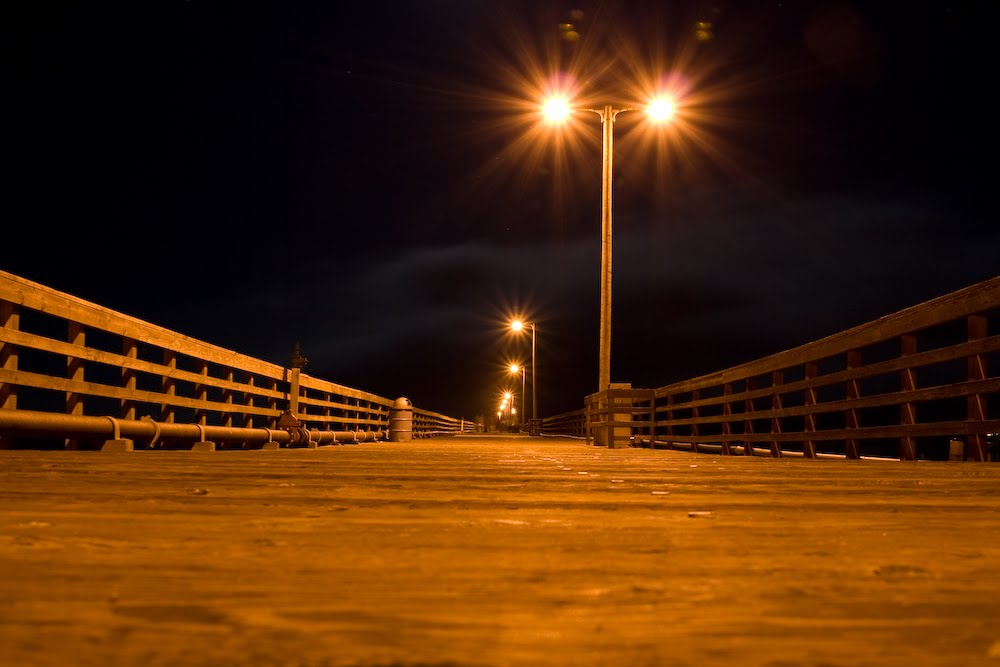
[
  {"x": 660, "y": 109},
  {"x": 556, "y": 109}
]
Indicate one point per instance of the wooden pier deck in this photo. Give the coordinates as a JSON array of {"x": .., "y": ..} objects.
[{"x": 495, "y": 551}]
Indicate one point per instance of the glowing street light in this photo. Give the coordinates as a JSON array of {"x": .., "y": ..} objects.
[
  {"x": 660, "y": 109},
  {"x": 517, "y": 326},
  {"x": 507, "y": 405},
  {"x": 557, "y": 109}
]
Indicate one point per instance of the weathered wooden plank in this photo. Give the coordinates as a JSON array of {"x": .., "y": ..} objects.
[
  {"x": 320, "y": 405},
  {"x": 39, "y": 381},
  {"x": 167, "y": 370},
  {"x": 957, "y": 390},
  {"x": 318, "y": 384},
  {"x": 918, "y": 360}
]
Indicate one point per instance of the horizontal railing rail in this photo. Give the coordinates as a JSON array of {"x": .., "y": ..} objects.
[
  {"x": 60, "y": 354},
  {"x": 920, "y": 383}
]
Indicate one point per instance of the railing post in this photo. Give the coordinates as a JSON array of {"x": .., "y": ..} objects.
[
  {"x": 695, "y": 395},
  {"x": 588, "y": 422},
  {"x": 809, "y": 400},
  {"x": 908, "y": 410},
  {"x": 727, "y": 413},
  {"x": 777, "y": 379},
  {"x": 975, "y": 446},
  {"x": 652, "y": 419},
  {"x": 851, "y": 445},
  {"x": 600, "y": 417},
  {"x": 74, "y": 372},
  {"x": 9, "y": 319},
  {"x": 272, "y": 403},
  {"x": 670, "y": 421},
  {"x": 168, "y": 412},
  {"x": 227, "y": 398},
  {"x": 748, "y": 409},
  {"x": 201, "y": 393},
  {"x": 613, "y": 407},
  {"x": 129, "y": 377},
  {"x": 248, "y": 400}
]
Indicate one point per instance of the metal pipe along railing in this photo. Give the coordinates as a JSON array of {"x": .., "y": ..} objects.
[{"x": 151, "y": 432}]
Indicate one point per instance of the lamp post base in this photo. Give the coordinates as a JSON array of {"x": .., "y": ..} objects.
[{"x": 614, "y": 430}]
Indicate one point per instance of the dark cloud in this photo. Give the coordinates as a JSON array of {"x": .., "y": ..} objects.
[{"x": 691, "y": 297}]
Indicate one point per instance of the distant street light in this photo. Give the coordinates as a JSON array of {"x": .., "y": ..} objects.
[
  {"x": 557, "y": 110},
  {"x": 518, "y": 325},
  {"x": 515, "y": 369}
]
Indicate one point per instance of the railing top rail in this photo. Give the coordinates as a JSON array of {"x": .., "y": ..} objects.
[
  {"x": 35, "y": 296},
  {"x": 637, "y": 393},
  {"x": 429, "y": 413},
  {"x": 311, "y": 382},
  {"x": 977, "y": 298}
]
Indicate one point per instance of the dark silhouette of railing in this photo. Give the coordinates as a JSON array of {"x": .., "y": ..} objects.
[
  {"x": 914, "y": 384},
  {"x": 80, "y": 375}
]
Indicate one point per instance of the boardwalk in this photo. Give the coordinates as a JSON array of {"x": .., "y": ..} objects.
[{"x": 477, "y": 551}]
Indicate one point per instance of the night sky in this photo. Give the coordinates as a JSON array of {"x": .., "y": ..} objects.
[{"x": 372, "y": 180}]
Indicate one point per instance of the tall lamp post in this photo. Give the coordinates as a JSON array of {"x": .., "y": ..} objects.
[
  {"x": 518, "y": 325},
  {"x": 515, "y": 369},
  {"x": 659, "y": 109}
]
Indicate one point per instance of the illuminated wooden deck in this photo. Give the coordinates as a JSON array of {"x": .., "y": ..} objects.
[{"x": 495, "y": 551}]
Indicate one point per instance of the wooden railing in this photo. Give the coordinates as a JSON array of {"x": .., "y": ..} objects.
[
  {"x": 427, "y": 424},
  {"x": 573, "y": 424},
  {"x": 915, "y": 384},
  {"x": 62, "y": 354}
]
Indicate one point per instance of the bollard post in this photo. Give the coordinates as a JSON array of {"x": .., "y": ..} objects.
[{"x": 956, "y": 449}]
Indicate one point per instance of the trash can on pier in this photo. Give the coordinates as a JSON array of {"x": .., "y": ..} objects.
[{"x": 401, "y": 420}]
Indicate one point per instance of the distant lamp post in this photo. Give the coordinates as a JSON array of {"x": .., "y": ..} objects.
[
  {"x": 518, "y": 326},
  {"x": 557, "y": 109},
  {"x": 515, "y": 369}
]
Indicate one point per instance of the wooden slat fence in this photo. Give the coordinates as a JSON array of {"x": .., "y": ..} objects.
[
  {"x": 62, "y": 354},
  {"x": 920, "y": 383}
]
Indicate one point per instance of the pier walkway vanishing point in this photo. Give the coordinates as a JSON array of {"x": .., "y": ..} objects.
[{"x": 491, "y": 551}]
